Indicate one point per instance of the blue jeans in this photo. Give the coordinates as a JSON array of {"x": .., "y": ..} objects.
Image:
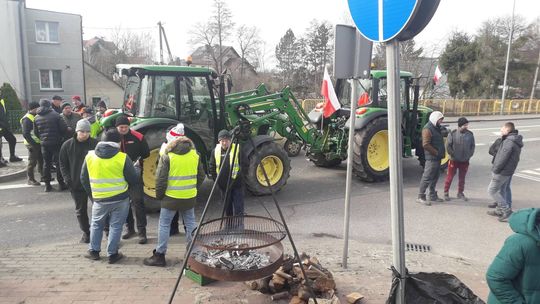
[
  {"x": 497, "y": 188},
  {"x": 117, "y": 213},
  {"x": 165, "y": 219},
  {"x": 507, "y": 192}
]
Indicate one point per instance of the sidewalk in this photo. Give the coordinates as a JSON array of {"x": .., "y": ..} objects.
[{"x": 58, "y": 273}]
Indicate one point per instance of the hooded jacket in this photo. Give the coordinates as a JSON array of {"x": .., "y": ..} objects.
[
  {"x": 180, "y": 146},
  {"x": 71, "y": 160},
  {"x": 49, "y": 127},
  {"x": 514, "y": 275},
  {"x": 433, "y": 140},
  {"x": 507, "y": 157},
  {"x": 71, "y": 122},
  {"x": 107, "y": 150},
  {"x": 460, "y": 145}
]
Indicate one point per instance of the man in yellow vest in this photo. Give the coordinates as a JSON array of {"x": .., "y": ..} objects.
[
  {"x": 179, "y": 174},
  {"x": 231, "y": 178},
  {"x": 6, "y": 133},
  {"x": 32, "y": 143},
  {"x": 106, "y": 176}
]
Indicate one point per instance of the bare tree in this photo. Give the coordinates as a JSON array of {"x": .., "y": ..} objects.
[
  {"x": 248, "y": 41},
  {"x": 202, "y": 33},
  {"x": 133, "y": 47}
]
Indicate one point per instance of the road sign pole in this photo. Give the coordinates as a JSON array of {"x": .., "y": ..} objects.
[
  {"x": 396, "y": 171},
  {"x": 348, "y": 183}
]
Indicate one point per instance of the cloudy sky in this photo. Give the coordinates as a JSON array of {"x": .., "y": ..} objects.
[{"x": 273, "y": 18}]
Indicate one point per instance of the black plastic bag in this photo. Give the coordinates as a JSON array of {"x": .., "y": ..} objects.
[{"x": 433, "y": 288}]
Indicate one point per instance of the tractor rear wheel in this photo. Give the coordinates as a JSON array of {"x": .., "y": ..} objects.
[
  {"x": 154, "y": 138},
  {"x": 276, "y": 164},
  {"x": 371, "y": 151}
]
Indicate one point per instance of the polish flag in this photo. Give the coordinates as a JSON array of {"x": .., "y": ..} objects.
[
  {"x": 331, "y": 103},
  {"x": 437, "y": 76}
]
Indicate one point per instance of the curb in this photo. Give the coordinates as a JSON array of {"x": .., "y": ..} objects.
[
  {"x": 495, "y": 119},
  {"x": 7, "y": 177}
]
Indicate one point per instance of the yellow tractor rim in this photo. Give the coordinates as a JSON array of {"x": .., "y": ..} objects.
[
  {"x": 377, "y": 154},
  {"x": 274, "y": 169},
  {"x": 149, "y": 173}
]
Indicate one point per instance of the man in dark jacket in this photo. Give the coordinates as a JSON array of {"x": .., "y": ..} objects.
[
  {"x": 71, "y": 118},
  {"x": 32, "y": 143},
  {"x": 433, "y": 144},
  {"x": 106, "y": 176},
  {"x": 57, "y": 104},
  {"x": 504, "y": 166},
  {"x": 514, "y": 274},
  {"x": 135, "y": 146},
  {"x": 232, "y": 173},
  {"x": 6, "y": 133},
  {"x": 50, "y": 128},
  {"x": 179, "y": 175},
  {"x": 72, "y": 156},
  {"x": 460, "y": 146}
]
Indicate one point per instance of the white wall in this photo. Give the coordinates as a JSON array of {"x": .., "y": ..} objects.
[{"x": 10, "y": 50}]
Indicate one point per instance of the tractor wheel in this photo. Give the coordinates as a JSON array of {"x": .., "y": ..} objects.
[
  {"x": 275, "y": 162},
  {"x": 154, "y": 138},
  {"x": 293, "y": 148},
  {"x": 371, "y": 151}
]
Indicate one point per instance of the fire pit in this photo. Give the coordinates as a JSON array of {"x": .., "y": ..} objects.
[{"x": 238, "y": 248}]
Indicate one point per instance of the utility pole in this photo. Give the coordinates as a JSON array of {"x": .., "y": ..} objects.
[
  {"x": 535, "y": 81},
  {"x": 508, "y": 59}
]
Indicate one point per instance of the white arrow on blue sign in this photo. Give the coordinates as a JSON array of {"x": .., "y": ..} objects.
[{"x": 381, "y": 20}]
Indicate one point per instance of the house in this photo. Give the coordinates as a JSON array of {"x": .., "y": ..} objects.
[
  {"x": 243, "y": 73},
  {"x": 100, "y": 86},
  {"x": 44, "y": 57}
]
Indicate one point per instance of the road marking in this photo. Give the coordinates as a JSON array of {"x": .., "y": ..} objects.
[
  {"x": 531, "y": 172},
  {"x": 15, "y": 186},
  {"x": 480, "y": 145},
  {"x": 536, "y": 179},
  {"x": 531, "y": 139}
]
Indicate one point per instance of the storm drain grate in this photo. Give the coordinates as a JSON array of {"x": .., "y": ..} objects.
[{"x": 417, "y": 247}]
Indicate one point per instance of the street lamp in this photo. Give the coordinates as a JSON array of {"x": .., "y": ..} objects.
[{"x": 507, "y": 59}]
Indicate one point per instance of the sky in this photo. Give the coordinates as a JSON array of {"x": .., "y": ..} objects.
[{"x": 273, "y": 18}]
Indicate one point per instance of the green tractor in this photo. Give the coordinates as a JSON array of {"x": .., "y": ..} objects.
[
  {"x": 158, "y": 97},
  {"x": 371, "y": 150}
]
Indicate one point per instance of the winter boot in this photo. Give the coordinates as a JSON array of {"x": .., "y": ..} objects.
[
  {"x": 447, "y": 197},
  {"x": 130, "y": 233},
  {"x": 48, "y": 187},
  {"x": 115, "y": 257},
  {"x": 505, "y": 214},
  {"x": 62, "y": 186},
  {"x": 497, "y": 212},
  {"x": 85, "y": 239},
  {"x": 142, "y": 236},
  {"x": 92, "y": 255},
  {"x": 14, "y": 158},
  {"x": 493, "y": 205},
  {"x": 33, "y": 182},
  {"x": 462, "y": 197},
  {"x": 435, "y": 198},
  {"x": 422, "y": 200},
  {"x": 157, "y": 259}
]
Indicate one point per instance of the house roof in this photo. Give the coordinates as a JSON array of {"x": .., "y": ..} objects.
[
  {"x": 86, "y": 63},
  {"x": 200, "y": 55}
]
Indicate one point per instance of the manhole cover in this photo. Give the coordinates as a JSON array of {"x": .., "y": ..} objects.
[{"x": 417, "y": 247}]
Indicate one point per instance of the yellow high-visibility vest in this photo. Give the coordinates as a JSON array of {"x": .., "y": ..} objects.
[
  {"x": 182, "y": 181},
  {"x": 234, "y": 154},
  {"x": 106, "y": 174},
  {"x": 31, "y": 117}
]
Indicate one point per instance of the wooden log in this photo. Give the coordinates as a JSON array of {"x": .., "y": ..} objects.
[
  {"x": 297, "y": 300},
  {"x": 284, "y": 275},
  {"x": 303, "y": 293},
  {"x": 278, "y": 282},
  {"x": 279, "y": 296},
  {"x": 324, "y": 284},
  {"x": 314, "y": 260},
  {"x": 354, "y": 297}
]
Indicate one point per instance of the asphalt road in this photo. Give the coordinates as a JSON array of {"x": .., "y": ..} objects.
[{"x": 313, "y": 201}]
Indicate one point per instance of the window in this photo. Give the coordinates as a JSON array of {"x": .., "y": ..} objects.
[
  {"x": 50, "y": 79},
  {"x": 47, "y": 32}
]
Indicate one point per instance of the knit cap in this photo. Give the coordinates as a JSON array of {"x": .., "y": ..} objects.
[
  {"x": 83, "y": 125},
  {"x": 462, "y": 121},
  {"x": 121, "y": 120},
  {"x": 175, "y": 132}
]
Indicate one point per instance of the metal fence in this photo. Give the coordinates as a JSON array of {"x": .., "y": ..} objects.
[
  {"x": 459, "y": 107},
  {"x": 14, "y": 117}
]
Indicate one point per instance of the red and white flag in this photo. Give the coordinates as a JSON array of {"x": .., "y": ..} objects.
[
  {"x": 331, "y": 102},
  {"x": 437, "y": 76}
]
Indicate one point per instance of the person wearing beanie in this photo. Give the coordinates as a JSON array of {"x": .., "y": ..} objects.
[
  {"x": 135, "y": 146},
  {"x": 179, "y": 175},
  {"x": 460, "y": 146},
  {"x": 78, "y": 106},
  {"x": 71, "y": 118},
  {"x": 32, "y": 144},
  {"x": 433, "y": 144},
  {"x": 71, "y": 158},
  {"x": 107, "y": 174},
  {"x": 102, "y": 107},
  {"x": 51, "y": 130},
  {"x": 95, "y": 127},
  {"x": 231, "y": 177}
]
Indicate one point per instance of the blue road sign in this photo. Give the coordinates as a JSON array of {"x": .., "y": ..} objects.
[{"x": 381, "y": 20}]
